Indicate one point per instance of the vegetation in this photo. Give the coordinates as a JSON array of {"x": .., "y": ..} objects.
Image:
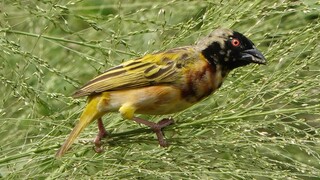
[{"x": 263, "y": 123}]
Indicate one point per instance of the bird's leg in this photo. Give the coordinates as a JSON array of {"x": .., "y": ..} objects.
[
  {"x": 157, "y": 128},
  {"x": 101, "y": 134}
]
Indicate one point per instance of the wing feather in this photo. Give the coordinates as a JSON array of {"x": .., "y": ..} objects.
[{"x": 152, "y": 69}]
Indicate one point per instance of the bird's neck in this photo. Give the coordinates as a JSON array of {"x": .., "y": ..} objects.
[{"x": 214, "y": 54}]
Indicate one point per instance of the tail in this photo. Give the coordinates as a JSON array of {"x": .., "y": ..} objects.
[{"x": 89, "y": 114}]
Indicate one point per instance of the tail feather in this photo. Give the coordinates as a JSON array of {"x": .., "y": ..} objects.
[{"x": 89, "y": 114}]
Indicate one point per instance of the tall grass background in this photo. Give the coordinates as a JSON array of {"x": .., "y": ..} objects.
[{"x": 263, "y": 123}]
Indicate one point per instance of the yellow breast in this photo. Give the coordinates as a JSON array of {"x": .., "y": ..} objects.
[{"x": 201, "y": 80}]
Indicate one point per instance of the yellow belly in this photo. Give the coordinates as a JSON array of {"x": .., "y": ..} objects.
[{"x": 154, "y": 100}]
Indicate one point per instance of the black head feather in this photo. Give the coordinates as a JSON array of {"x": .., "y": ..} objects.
[{"x": 230, "y": 49}]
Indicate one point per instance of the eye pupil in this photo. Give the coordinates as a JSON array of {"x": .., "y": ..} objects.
[{"x": 235, "y": 42}]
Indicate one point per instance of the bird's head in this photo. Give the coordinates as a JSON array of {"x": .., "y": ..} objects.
[{"x": 230, "y": 49}]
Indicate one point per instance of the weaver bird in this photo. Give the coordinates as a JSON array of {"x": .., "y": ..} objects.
[{"x": 163, "y": 83}]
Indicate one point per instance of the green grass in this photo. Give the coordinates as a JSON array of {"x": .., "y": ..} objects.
[{"x": 263, "y": 123}]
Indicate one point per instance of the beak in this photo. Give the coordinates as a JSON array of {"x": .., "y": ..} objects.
[{"x": 254, "y": 56}]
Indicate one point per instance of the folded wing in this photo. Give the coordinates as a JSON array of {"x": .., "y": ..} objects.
[{"x": 152, "y": 69}]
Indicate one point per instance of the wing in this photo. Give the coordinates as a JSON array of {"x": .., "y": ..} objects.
[{"x": 152, "y": 69}]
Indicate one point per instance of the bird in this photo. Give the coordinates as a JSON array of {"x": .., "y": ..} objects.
[{"x": 163, "y": 83}]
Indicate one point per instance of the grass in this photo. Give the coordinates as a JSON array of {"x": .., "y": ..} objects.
[{"x": 263, "y": 123}]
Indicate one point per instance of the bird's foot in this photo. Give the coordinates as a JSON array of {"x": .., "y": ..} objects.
[
  {"x": 157, "y": 128},
  {"x": 101, "y": 134}
]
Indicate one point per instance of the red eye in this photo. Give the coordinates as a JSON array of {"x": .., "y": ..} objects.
[{"x": 235, "y": 42}]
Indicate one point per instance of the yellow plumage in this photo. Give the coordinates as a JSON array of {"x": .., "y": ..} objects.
[{"x": 150, "y": 85}]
